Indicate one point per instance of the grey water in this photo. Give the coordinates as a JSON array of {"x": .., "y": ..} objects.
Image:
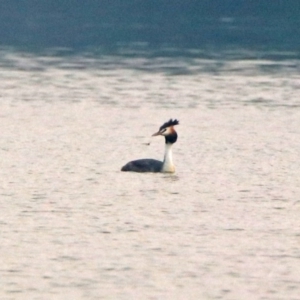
[{"x": 224, "y": 226}]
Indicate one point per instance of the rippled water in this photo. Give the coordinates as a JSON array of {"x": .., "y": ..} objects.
[{"x": 225, "y": 226}]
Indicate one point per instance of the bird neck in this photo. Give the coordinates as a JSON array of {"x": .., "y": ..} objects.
[{"x": 168, "y": 165}]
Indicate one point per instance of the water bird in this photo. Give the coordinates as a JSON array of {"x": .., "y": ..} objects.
[{"x": 152, "y": 165}]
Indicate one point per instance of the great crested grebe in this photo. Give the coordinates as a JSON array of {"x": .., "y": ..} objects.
[{"x": 152, "y": 165}]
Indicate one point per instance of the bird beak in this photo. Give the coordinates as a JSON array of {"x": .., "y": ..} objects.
[{"x": 156, "y": 134}]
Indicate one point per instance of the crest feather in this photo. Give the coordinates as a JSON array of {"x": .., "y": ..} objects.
[{"x": 169, "y": 123}]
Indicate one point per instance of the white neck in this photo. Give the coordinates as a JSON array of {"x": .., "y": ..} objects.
[{"x": 168, "y": 165}]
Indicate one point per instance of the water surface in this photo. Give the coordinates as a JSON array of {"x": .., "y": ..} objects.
[{"x": 225, "y": 226}]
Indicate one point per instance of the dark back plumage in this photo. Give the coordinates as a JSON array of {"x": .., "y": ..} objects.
[
  {"x": 143, "y": 165},
  {"x": 169, "y": 123}
]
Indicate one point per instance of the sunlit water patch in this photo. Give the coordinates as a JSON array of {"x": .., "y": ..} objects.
[{"x": 224, "y": 226}]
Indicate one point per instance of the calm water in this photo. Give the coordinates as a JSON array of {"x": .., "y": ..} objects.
[{"x": 225, "y": 226}]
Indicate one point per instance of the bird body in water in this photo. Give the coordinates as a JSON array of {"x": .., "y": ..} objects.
[{"x": 152, "y": 165}]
